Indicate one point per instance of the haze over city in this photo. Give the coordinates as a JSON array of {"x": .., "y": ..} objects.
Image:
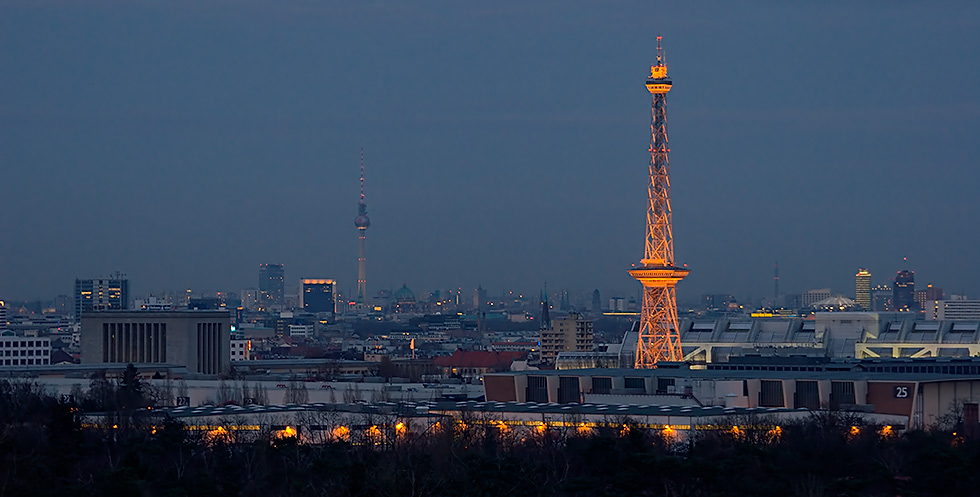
[{"x": 506, "y": 145}]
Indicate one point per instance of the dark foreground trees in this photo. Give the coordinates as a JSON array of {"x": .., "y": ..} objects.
[{"x": 44, "y": 450}]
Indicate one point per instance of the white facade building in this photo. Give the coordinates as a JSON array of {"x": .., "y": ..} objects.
[
  {"x": 962, "y": 310},
  {"x": 24, "y": 351},
  {"x": 241, "y": 350}
]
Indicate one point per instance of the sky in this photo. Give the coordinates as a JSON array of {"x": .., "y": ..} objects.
[{"x": 184, "y": 142}]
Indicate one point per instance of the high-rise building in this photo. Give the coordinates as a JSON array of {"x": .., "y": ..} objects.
[
  {"x": 250, "y": 299},
  {"x": 596, "y": 302},
  {"x": 318, "y": 295},
  {"x": 659, "y": 338},
  {"x": 862, "y": 288},
  {"x": 271, "y": 284},
  {"x": 102, "y": 294},
  {"x": 903, "y": 292},
  {"x": 566, "y": 334},
  {"x": 881, "y": 298},
  {"x": 927, "y": 295}
]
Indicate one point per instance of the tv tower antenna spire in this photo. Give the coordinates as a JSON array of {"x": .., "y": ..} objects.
[
  {"x": 362, "y": 222},
  {"x": 659, "y": 336}
]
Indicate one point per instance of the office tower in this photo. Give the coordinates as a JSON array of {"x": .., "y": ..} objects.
[
  {"x": 271, "y": 284},
  {"x": 480, "y": 299},
  {"x": 929, "y": 294},
  {"x": 362, "y": 222},
  {"x": 250, "y": 299},
  {"x": 862, "y": 288},
  {"x": 318, "y": 295},
  {"x": 101, "y": 294},
  {"x": 596, "y": 302},
  {"x": 881, "y": 298},
  {"x": 659, "y": 336},
  {"x": 903, "y": 292}
]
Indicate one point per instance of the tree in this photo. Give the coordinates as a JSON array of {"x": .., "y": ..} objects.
[
  {"x": 386, "y": 368},
  {"x": 130, "y": 392}
]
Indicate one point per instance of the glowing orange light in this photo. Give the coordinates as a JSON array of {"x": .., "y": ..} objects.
[{"x": 341, "y": 433}]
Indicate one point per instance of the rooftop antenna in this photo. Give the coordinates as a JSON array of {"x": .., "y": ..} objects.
[
  {"x": 362, "y": 174},
  {"x": 659, "y": 51}
]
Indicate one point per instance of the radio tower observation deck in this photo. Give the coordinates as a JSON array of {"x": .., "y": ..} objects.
[
  {"x": 362, "y": 222},
  {"x": 659, "y": 337}
]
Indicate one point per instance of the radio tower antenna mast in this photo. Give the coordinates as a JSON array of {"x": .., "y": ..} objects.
[
  {"x": 362, "y": 222},
  {"x": 659, "y": 339}
]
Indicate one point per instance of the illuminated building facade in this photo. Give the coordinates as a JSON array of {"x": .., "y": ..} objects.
[
  {"x": 271, "y": 284},
  {"x": 101, "y": 295},
  {"x": 862, "y": 288},
  {"x": 659, "y": 339},
  {"x": 903, "y": 292},
  {"x": 318, "y": 295}
]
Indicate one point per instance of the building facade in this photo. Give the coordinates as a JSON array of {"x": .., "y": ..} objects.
[
  {"x": 102, "y": 294},
  {"x": 862, "y": 289},
  {"x": 318, "y": 296},
  {"x": 572, "y": 333},
  {"x": 903, "y": 292},
  {"x": 965, "y": 310},
  {"x": 811, "y": 297},
  {"x": 24, "y": 351},
  {"x": 271, "y": 284},
  {"x": 197, "y": 340}
]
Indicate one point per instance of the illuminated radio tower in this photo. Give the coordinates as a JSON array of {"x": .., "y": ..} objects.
[
  {"x": 659, "y": 338},
  {"x": 363, "y": 223}
]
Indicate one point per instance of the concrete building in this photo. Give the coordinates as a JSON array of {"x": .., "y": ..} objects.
[
  {"x": 101, "y": 294},
  {"x": 903, "y": 293},
  {"x": 241, "y": 350},
  {"x": 24, "y": 350},
  {"x": 922, "y": 391},
  {"x": 318, "y": 296},
  {"x": 197, "y": 340},
  {"x": 941, "y": 310},
  {"x": 572, "y": 333},
  {"x": 811, "y": 297},
  {"x": 272, "y": 291},
  {"x": 827, "y": 334}
]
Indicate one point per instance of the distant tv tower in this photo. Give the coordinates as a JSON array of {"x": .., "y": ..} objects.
[
  {"x": 659, "y": 336},
  {"x": 775, "y": 284},
  {"x": 362, "y": 222}
]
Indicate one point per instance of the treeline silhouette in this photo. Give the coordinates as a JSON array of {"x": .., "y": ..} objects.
[{"x": 46, "y": 450}]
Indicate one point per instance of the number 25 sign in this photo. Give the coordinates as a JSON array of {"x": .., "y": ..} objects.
[{"x": 902, "y": 392}]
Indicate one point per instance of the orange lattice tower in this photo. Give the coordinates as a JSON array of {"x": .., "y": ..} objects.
[{"x": 659, "y": 338}]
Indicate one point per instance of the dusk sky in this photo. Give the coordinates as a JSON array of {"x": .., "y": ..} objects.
[{"x": 183, "y": 142}]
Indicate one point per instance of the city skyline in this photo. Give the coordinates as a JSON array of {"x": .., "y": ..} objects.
[{"x": 499, "y": 161}]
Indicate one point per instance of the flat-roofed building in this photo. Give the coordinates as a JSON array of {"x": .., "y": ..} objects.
[
  {"x": 198, "y": 340},
  {"x": 24, "y": 350},
  {"x": 966, "y": 310},
  {"x": 566, "y": 334}
]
